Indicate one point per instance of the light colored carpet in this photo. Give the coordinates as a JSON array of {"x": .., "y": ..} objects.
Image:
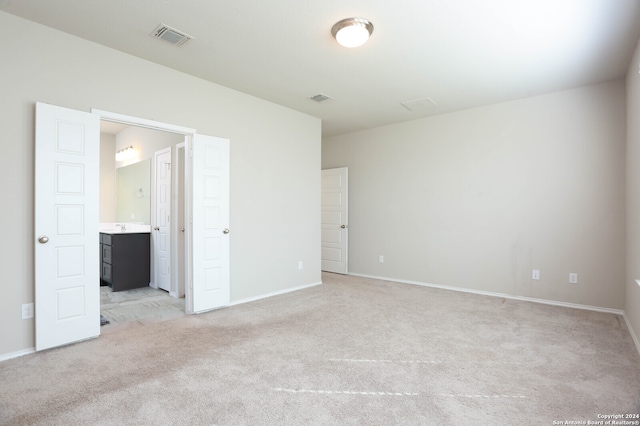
[
  {"x": 140, "y": 306},
  {"x": 353, "y": 351}
]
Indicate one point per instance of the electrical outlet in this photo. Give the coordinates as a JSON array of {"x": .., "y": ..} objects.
[
  {"x": 27, "y": 311},
  {"x": 381, "y": 259},
  {"x": 573, "y": 278},
  {"x": 300, "y": 265},
  {"x": 535, "y": 274}
]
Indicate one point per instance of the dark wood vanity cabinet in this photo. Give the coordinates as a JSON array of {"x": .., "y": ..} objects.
[{"x": 125, "y": 260}]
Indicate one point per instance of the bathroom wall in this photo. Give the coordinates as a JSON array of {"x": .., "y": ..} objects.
[{"x": 107, "y": 178}]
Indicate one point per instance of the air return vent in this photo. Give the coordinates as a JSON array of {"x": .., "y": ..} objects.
[
  {"x": 419, "y": 104},
  {"x": 171, "y": 35},
  {"x": 320, "y": 97}
]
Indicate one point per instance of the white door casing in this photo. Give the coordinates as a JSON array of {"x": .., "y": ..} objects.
[
  {"x": 162, "y": 230},
  {"x": 67, "y": 277},
  {"x": 179, "y": 225},
  {"x": 335, "y": 220},
  {"x": 210, "y": 228}
]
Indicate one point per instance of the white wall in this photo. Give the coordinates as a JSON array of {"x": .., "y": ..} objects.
[
  {"x": 145, "y": 141},
  {"x": 477, "y": 199},
  {"x": 632, "y": 296},
  {"x": 275, "y": 159}
]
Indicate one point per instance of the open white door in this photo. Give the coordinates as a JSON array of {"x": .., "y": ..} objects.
[
  {"x": 210, "y": 227},
  {"x": 67, "y": 272},
  {"x": 334, "y": 217},
  {"x": 162, "y": 230}
]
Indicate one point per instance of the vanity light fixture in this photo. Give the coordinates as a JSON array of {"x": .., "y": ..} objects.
[
  {"x": 352, "y": 32},
  {"x": 126, "y": 153}
]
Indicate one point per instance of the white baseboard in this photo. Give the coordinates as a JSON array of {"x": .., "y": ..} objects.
[
  {"x": 275, "y": 293},
  {"x": 501, "y": 295},
  {"x": 11, "y": 355},
  {"x": 632, "y": 332}
]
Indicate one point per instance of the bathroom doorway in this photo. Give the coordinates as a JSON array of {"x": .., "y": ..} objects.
[
  {"x": 128, "y": 201},
  {"x": 68, "y": 160}
]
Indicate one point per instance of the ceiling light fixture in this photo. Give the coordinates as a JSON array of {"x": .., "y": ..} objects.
[{"x": 352, "y": 32}]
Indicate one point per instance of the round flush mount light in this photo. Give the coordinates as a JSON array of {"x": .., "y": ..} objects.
[{"x": 352, "y": 32}]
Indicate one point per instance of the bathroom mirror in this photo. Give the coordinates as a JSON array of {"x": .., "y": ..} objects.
[{"x": 133, "y": 188}]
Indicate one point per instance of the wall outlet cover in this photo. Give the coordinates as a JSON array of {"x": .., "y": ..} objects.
[{"x": 27, "y": 311}]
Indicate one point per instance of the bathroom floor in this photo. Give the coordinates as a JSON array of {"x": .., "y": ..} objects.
[{"x": 137, "y": 307}]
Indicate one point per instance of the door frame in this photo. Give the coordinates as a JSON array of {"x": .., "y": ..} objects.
[
  {"x": 188, "y": 134},
  {"x": 178, "y": 224}
]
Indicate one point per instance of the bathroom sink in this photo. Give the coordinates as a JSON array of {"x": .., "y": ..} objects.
[{"x": 129, "y": 229}]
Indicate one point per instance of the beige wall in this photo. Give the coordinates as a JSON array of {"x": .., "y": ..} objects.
[
  {"x": 477, "y": 199},
  {"x": 632, "y": 297},
  {"x": 275, "y": 159},
  {"x": 107, "y": 178}
]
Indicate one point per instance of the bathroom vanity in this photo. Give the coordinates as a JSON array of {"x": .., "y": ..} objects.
[{"x": 125, "y": 259}]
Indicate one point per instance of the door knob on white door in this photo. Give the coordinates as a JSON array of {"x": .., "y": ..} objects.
[
  {"x": 343, "y": 226},
  {"x": 156, "y": 228},
  {"x": 43, "y": 239},
  {"x": 226, "y": 231}
]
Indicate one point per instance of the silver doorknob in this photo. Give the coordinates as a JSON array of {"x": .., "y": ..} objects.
[
  {"x": 343, "y": 226},
  {"x": 226, "y": 231},
  {"x": 156, "y": 228},
  {"x": 182, "y": 230},
  {"x": 43, "y": 239}
]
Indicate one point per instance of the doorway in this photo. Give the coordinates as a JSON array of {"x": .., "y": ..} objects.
[
  {"x": 67, "y": 268},
  {"x": 149, "y": 187}
]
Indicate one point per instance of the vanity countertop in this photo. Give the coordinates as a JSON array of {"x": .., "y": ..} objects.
[{"x": 129, "y": 228}]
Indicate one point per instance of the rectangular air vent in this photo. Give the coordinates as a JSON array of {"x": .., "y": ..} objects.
[
  {"x": 320, "y": 97},
  {"x": 171, "y": 35},
  {"x": 419, "y": 104}
]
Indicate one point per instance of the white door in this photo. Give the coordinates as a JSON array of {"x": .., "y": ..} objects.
[
  {"x": 67, "y": 274},
  {"x": 335, "y": 220},
  {"x": 210, "y": 228},
  {"x": 162, "y": 230}
]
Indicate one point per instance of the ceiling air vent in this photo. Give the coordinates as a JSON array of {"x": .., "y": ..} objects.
[
  {"x": 171, "y": 35},
  {"x": 419, "y": 104},
  {"x": 320, "y": 97}
]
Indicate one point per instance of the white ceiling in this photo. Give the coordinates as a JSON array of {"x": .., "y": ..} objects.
[
  {"x": 460, "y": 53},
  {"x": 111, "y": 127}
]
